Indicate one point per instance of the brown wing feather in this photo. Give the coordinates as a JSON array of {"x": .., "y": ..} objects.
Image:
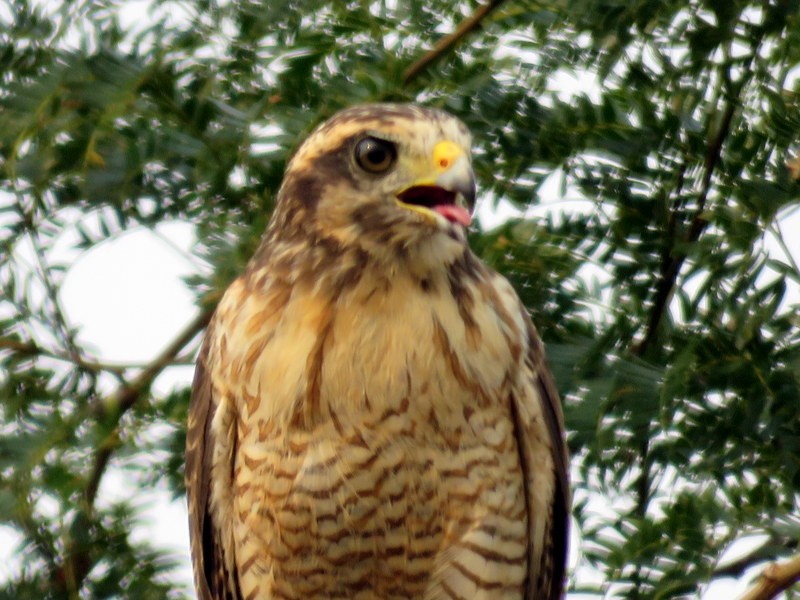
[
  {"x": 553, "y": 564},
  {"x": 211, "y": 577},
  {"x": 559, "y": 529}
]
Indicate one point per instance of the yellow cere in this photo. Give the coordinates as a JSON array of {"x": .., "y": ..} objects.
[{"x": 445, "y": 154}]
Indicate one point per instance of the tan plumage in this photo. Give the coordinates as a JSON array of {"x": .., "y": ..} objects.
[{"x": 372, "y": 416}]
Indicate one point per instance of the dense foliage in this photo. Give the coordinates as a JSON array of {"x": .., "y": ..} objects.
[{"x": 669, "y": 300}]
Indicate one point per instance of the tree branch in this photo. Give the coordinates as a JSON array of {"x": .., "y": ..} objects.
[
  {"x": 775, "y": 579},
  {"x": 739, "y": 566},
  {"x": 670, "y": 269},
  {"x": 77, "y": 562},
  {"x": 449, "y": 41},
  {"x": 672, "y": 262},
  {"x": 769, "y": 550},
  {"x": 118, "y": 403}
]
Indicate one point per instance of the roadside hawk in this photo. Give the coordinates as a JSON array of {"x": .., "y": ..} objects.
[{"x": 372, "y": 416}]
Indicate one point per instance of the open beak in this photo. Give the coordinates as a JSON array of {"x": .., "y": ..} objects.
[{"x": 448, "y": 191}]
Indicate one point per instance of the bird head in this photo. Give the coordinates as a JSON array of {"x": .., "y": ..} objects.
[{"x": 382, "y": 176}]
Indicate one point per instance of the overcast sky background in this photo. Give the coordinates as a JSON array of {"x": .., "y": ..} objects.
[{"x": 128, "y": 299}]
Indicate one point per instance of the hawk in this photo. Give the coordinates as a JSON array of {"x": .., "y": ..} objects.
[{"x": 372, "y": 416}]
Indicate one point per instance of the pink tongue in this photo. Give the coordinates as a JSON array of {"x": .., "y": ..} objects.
[{"x": 454, "y": 214}]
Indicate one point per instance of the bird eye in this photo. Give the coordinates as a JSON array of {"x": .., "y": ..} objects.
[{"x": 375, "y": 155}]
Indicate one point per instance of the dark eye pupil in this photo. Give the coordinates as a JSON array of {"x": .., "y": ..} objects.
[{"x": 375, "y": 155}]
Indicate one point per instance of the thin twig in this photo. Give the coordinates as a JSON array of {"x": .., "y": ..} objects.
[
  {"x": 59, "y": 316},
  {"x": 32, "y": 349},
  {"x": 775, "y": 579},
  {"x": 778, "y": 233},
  {"x": 447, "y": 42},
  {"x": 189, "y": 257}
]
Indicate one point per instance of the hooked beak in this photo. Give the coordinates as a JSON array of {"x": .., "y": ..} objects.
[{"x": 449, "y": 192}]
